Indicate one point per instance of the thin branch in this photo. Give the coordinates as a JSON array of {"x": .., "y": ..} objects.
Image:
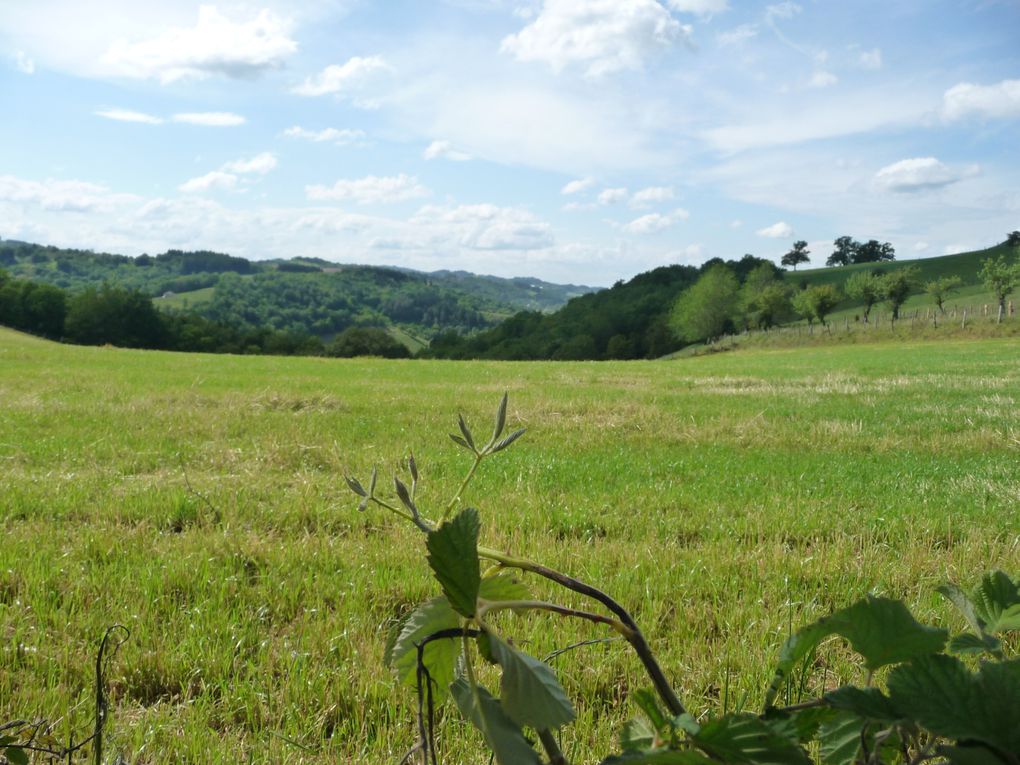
[
  {"x": 581, "y": 644},
  {"x": 538, "y": 605},
  {"x": 552, "y": 747}
]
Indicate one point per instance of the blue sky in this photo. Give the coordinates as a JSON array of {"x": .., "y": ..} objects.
[{"x": 574, "y": 140}]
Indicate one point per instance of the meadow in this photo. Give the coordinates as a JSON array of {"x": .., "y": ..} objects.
[{"x": 199, "y": 500}]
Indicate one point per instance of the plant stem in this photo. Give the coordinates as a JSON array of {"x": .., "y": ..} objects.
[
  {"x": 551, "y": 748},
  {"x": 479, "y": 456},
  {"x": 635, "y": 638},
  {"x": 539, "y": 605}
]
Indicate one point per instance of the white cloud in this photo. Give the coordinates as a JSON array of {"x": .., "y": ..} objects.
[
  {"x": 655, "y": 222},
  {"x": 738, "y": 35},
  {"x": 260, "y": 164},
  {"x": 918, "y": 174},
  {"x": 338, "y": 136},
  {"x": 215, "y": 45},
  {"x": 217, "y": 179},
  {"x": 735, "y": 224},
  {"x": 603, "y": 36},
  {"x": 486, "y": 227},
  {"x": 344, "y": 79},
  {"x": 965, "y": 99},
  {"x": 445, "y": 150},
  {"x": 612, "y": 196},
  {"x": 578, "y": 185},
  {"x": 780, "y": 230},
  {"x": 921, "y": 246},
  {"x": 210, "y": 119},
  {"x": 784, "y": 10},
  {"x": 371, "y": 189},
  {"x": 700, "y": 7},
  {"x": 870, "y": 59},
  {"x": 651, "y": 195},
  {"x": 23, "y": 63},
  {"x": 127, "y": 115},
  {"x": 60, "y": 196},
  {"x": 822, "y": 79}
]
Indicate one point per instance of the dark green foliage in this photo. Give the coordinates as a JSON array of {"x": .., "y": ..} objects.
[
  {"x": 844, "y": 253},
  {"x": 36, "y": 308},
  {"x": 1001, "y": 276},
  {"x": 529, "y": 691},
  {"x": 816, "y": 302},
  {"x": 501, "y": 734},
  {"x": 439, "y": 656},
  {"x": 897, "y": 286},
  {"x": 705, "y": 310},
  {"x": 453, "y": 558},
  {"x": 1013, "y": 239},
  {"x": 113, "y": 315},
  {"x": 873, "y": 251},
  {"x": 798, "y": 254},
  {"x": 865, "y": 286},
  {"x": 367, "y": 341}
]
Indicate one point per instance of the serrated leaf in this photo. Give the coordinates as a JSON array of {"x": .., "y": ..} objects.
[
  {"x": 355, "y": 486},
  {"x": 994, "y": 600},
  {"x": 963, "y": 604},
  {"x": 503, "y": 586},
  {"x": 801, "y": 724},
  {"x": 440, "y": 656},
  {"x": 484, "y": 643},
  {"x": 649, "y": 704},
  {"x": 637, "y": 735},
  {"x": 686, "y": 723},
  {"x": 466, "y": 431},
  {"x": 507, "y": 441},
  {"x": 529, "y": 690},
  {"x": 970, "y": 755},
  {"x": 881, "y": 630},
  {"x": 941, "y": 694},
  {"x": 840, "y": 739},
  {"x": 500, "y": 420},
  {"x": 16, "y": 755},
  {"x": 743, "y": 739},
  {"x": 453, "y": 558},
  {"x": 659, "y": 757},
  {"x": 501, "y": 734},
  {"x": 869, "y": 703},
  {"x": 968, "y": 643}
]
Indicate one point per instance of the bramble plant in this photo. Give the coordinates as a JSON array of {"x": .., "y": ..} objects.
[{"x": 925, "y": 697}]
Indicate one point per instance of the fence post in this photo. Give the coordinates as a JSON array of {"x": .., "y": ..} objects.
[{"x": 963, "y": 325}]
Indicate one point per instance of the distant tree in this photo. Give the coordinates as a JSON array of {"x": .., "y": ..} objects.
[
  {"x": 940, "y": 289},
  {"x": 1000, "y": 277},
  {"x": 703, "y": 311},
  {"x": 897, "y": 286},
  {"x": 874, "y": 251},
  {"x": 817, "y": 302},
  {"x": 844, "y": 252},
  {"x": 1013, "y": 239},
  {"x": 367, "y": 341},
  {"x": 865, "y": 286},
  {"x": 764, "y": 299},
  {"x": 799, "y": 254},
  {"x": 116, "y": 316}
]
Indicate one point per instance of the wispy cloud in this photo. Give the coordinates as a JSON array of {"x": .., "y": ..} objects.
[
  {"x": 370, "y": 190},
  {"x": 444, "y": 150},
  {"x": 349, "y": 78},
  {"x": 338, "y": 136},
  {"x": 655, "y": 222},
  {"x": 210, "y": 119},
  {"x": 577, "y": 186},
  {"x": 128, "y": 115}
]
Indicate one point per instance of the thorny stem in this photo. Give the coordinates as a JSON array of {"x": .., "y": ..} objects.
[
  {"x": 539, "y": 605},
  {"x": 479, "y": 456},
  {"x": 635, "y": 638}
]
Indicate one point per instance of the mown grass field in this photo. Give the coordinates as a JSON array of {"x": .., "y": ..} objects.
[{"x": 724, "y": 498}]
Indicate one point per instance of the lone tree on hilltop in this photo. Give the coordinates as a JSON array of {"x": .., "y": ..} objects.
[
  {"x": 896, "y": 287},
  {"x": 866, "y": 287},
  {"x": 799, "y": 254},
  {"x": 844, "y": 252},
  {"x": 1013, "y": 239},
  {"x": 874, "y": 251},
  {"x": 940, "y": 290},
  {"x": 1001, "y": 277},
  {"x": 704, "y": 309}
]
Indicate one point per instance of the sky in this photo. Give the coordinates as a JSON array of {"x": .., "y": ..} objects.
[{"x": 579, "y": 141}]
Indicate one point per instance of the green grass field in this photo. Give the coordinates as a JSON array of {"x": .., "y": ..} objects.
[{"x": 724, "y": 498}]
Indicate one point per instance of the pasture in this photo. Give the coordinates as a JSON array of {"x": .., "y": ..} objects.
[{"x": 200, "y": 501}]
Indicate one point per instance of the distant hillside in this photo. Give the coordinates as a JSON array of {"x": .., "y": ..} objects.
[{"x": 298, "y": 295}]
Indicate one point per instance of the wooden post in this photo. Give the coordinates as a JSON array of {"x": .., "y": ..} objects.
[
  {"x": 963, "y": 325},
  {"x": 999, "y": 319}
]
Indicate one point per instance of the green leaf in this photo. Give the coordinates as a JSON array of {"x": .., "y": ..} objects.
[
  {"x": 637, "y": 735},
  {"x": 503, "y": 586},
  {"x": 529, "y": 690},
  {"x": 997, "y": 602},
  {"x": 16, "y": 755},
  {"x": 453, "y": 557},
  {"x": 869, "y": 703},
  {"x": 942, "y": 695},
  {"x": 507, "y": 441},
  {"x": 440, "y": 656},
  {"x": 484, "y": 643},
  {"x": 881, "y": 630},
  {"x": 501, "y": 734},
  {"x": 467, "y": 432},
  {"x": 801, "y": 725},
  {"x": 355, "y": 485},
  {"x": 461, "y": 442},
  {"x": 649, "y": 704},
  {"x": 970, "y": 755},
  {"x": 840, "y": 739},
  {"x": 969, "y": 643},
  {"x": 963, "y": 604},
  {"x": 659, "y": 757},
  {"x": 500, "y": 420},
  {"x": 743, "y": 739}
]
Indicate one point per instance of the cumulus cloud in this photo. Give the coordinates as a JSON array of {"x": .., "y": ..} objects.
[
  {"x": 371, "y": 189},
  {"x": 651, "y": 195},
  {"x": 780, "y": 230},
  {"x": 822, "y": 79},
  {"x": 990, "y": 101},
  {"x": 216, "y": 45},
  {"x": 612, "y": 196},
  {"x": 445, "y": 150},
  {"x": 738, "y": 35},
  {"x": 338, "y": 136},
  {"x": 700, "y": 7},
  {"x": 260, "y": 164},
  {"x": 23, "y": 63},
  {"x": 344, "y": 79},
  {"x": 127, "y": 115},
  {"x": 655, "y": 222},
  {"x": 577, "y": 186},
  {"x": 602, "y": 36},
  {"x": 217, "y": 179},
  {"x": 486, "y": 227},
  {"x": 918, "y": 174},
  {"x": 60, "y": 196},
  {"x": 210, "y": 119}
]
